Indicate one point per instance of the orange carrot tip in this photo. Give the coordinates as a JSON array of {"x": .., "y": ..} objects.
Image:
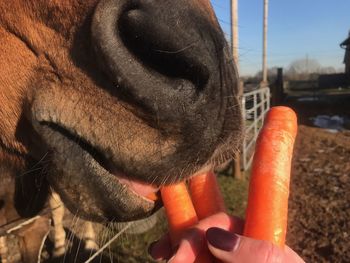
[
  {"x": 152, "y": 197},
  {"x": 267, "y": 209}
]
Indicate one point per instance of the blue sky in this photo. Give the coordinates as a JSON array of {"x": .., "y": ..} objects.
[{"x": 297, "y": 28}]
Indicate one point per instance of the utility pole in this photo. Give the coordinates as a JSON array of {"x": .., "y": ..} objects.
[
  {"x": 234, "y": 31},
  {"x": 234, "y": 45},
  {"x": 265, "y": 22}
]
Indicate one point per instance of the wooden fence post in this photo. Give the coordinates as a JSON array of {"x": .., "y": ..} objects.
[
  {"x": 237, "y": 171},
  {"x": 277, "y": 89}
]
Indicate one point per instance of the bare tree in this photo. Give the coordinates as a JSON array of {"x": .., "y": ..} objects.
[
  {"x": 271, "y": 74},
  {"x": 302, "y": 69},
  {"x": 327, "y": 70}
]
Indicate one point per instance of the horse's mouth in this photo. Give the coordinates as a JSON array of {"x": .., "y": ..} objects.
[{"x": 82, "y": 173}]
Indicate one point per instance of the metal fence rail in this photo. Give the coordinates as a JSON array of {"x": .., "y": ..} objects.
[{"x": 255, "y": 105}]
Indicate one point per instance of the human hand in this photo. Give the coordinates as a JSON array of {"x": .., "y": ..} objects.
[{"x": 223, "y": 243}]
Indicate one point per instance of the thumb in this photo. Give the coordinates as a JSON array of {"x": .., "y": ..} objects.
[{"x": 229, "y": 247}]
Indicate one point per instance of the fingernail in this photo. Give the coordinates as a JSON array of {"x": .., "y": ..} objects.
[
  {"x": 175, "y": 249},
  {"x": 150, "y": 248},
  {"x": 152, "y": 253},
  {"x": 156, "y": 251},
  {"x": 222, "y": 239}
]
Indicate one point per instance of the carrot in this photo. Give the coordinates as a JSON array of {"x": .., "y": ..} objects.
[
  {"x": 179, "y": 210},
  {"x": 152, "y": 197},
  {"x": 267, "y": 210},
  {"x": 181, "y": 215},
  {"x": 206, "y": 196}
]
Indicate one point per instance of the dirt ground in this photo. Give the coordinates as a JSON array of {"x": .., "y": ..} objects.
[{"x": 319, "y": 225}]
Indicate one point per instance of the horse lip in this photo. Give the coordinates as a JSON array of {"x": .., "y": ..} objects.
[
  {"x": 102, "y": 161},
  {"x": 140, "y": 206}
]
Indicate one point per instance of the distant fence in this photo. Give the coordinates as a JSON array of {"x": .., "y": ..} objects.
[
  {"x": 255, "y": 105},
  {"x": 324, "y": 81},
  {"x": 333, "y": 81},
  {"x": 299, "y": 85}
]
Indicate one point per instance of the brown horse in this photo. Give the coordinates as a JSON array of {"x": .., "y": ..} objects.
[{"x": 107, "y": 100}]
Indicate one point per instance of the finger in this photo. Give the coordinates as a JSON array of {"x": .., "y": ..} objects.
[
  {"x": 190, "y": 246},
  {"x": 229, "y": 247},
  {"x": 222, "y": 220},
  {"x": 193, "y": 242},
  {"x": 161, "y": 249}
]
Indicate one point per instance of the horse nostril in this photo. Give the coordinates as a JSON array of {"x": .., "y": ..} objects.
[
  {"x": 161, "y": 61},
  {"x": 162, "y": 46}
]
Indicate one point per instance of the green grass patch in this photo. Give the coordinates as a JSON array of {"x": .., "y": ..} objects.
[{"x": 235, "y": 194}]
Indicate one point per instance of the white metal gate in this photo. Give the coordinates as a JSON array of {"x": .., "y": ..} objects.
[{"x": 255, "y": 105}]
